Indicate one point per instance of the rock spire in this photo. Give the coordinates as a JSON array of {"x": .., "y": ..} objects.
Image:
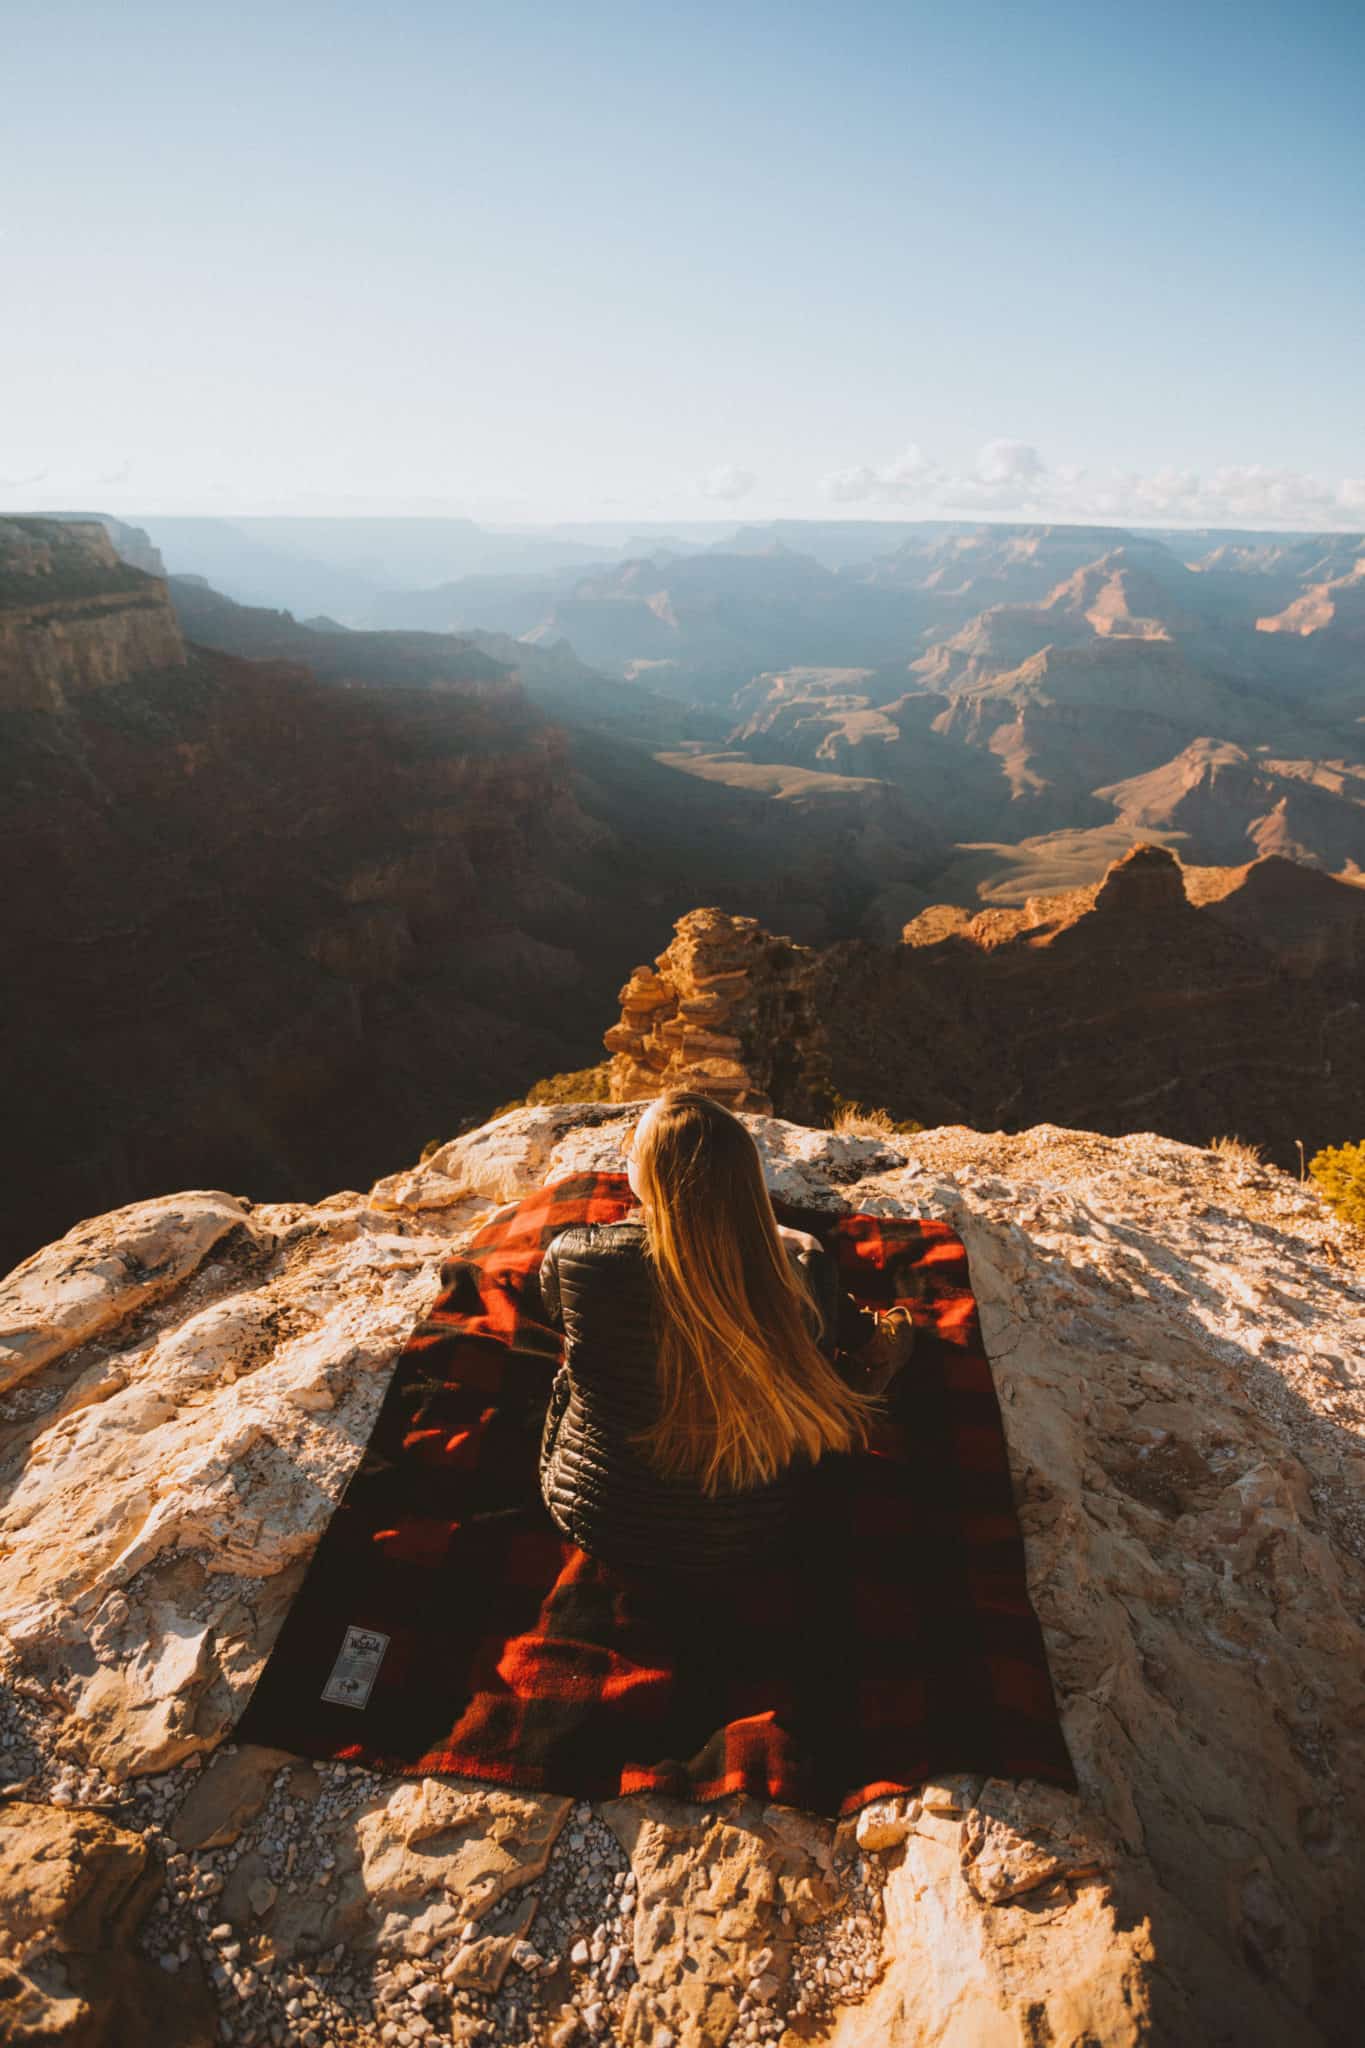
[{"x": 724, "y": 1010}]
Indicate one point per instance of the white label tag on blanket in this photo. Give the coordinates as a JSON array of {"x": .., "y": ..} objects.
[{"x": 356, "y": 1667}]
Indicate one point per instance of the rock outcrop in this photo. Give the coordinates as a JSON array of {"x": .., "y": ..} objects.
[
  {"x": 74, "y": 618},
  {"x": 1229, "y": 804},
  {"x": 132, "y": 544},
  {"x": 1117, "y": 1005},
  {"x": 723, "y": 1010},
  {"x": 1177, "y": 1339},
  {"x": 1338, "y": 603},
  {"x": 74, "y": 1890},
  {"x": 1207, "y": 1002}
]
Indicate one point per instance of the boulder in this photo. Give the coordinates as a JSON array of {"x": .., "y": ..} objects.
[
  {"x": 1176, "y": 1336},
  {"x": 73, "y": 1889}
]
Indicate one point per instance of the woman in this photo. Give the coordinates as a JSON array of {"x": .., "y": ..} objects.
[{"x": 699, "y": 1383}]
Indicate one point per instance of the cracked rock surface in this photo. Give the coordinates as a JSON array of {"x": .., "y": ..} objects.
[{"x": 1177, "y": 1342}]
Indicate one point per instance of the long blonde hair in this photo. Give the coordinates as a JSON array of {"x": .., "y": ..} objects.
[{"x": 743, "y": 1385}]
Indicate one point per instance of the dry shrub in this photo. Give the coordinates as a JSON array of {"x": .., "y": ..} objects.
[
  {"x": 1237, "y": 1152},
  {"x": 855, "y": 1120}
]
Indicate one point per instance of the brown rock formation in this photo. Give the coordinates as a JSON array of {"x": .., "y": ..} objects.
[
  {"x": 75, "y": 1889},
  {"x": 1338, "y": 602},
  {"x": 273, "y": 926},
  {"x": 1312, "y": 923},
  {"x": 1232, "y": 803},
  {"x": 724, "y": 1011},
  {"x": 1123, "y": 1005},
  {"x": 265, "y": 923},
  {"x": 73, "y": 617},
  {"x": 1120, "y": 1006}
]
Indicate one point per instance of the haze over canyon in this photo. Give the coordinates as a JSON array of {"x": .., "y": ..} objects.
[{"x": 332, "y": 836}]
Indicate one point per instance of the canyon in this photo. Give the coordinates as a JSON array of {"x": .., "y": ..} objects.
[
  {"x": 1197, "y": 1001},
  {"x": 267, "y": 913},
  {"x": 296, "y": 899},
  {"x": 294, "y": 891}
]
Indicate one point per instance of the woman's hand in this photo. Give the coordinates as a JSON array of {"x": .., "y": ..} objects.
[{"x": 888, "y": 1352}]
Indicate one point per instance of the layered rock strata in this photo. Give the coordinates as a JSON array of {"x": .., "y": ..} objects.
[
  {"x": 1205, "y": 1002},
  {"x": 723, "y": 1010},
  {"x": 74, "y": 618},
  {"x": 1177, "y": 1339}
]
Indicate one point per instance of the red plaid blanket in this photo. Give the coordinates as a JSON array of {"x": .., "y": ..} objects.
[{"x": 445, "y": 1625}]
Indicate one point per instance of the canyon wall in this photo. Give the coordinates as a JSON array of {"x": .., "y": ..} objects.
[
  {"x": 74, "y": 618},
  {"x": 1234, "y": 1008},
  {"x": 272, "y": 924},
  {"x": 1120, "y": 1006},
  {"x": 265, "y": 923}
]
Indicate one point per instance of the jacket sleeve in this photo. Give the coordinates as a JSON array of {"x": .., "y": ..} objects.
[
  {"x": 547, "y": 1274},
  {"x": 845, "y": 1325}
]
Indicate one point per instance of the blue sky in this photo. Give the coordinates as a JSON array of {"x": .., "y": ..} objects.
[{"x": 533, "y": 262}]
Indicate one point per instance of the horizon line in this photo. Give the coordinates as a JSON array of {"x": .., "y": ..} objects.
[{"x": 665, "y": 525}]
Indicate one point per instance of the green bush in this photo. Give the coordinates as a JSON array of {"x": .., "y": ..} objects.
[{"x": 1339, "y": 1171}]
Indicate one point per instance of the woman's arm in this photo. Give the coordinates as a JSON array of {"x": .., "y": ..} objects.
[
  {"x": 845, "y": 1324},
  {"x": 869, "y": 1349}
]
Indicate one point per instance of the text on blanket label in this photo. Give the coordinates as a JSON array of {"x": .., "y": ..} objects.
[{"x": 356, "y": 1667}]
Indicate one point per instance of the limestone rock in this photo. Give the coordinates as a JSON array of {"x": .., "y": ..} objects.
[
  {"x": 73, "y": 1890},
  {"x": 226, "y": 1797},
  {"x": 886, "y": 1822},
  {"x": 481, "y": 1964},
  {"x": 1176, "y": 1336},
  {"x": 471, "y": 1843},
  {"x": 67, "y": 1293}
]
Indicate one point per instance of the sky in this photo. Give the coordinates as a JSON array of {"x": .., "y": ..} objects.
[{"x": 540, "y": 262}]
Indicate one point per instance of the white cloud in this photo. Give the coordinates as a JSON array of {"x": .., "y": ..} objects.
[
  {"x": 911, "y": 475},
  {"x": 1008, "y": 462},
  {"x": 727, "y": 482},
  {"x": 1260, "y": 493},
  {"x": 1013, "y": 477}
]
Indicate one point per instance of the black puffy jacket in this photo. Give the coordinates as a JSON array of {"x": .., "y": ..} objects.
[{"x": 597, "y": 1286}]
